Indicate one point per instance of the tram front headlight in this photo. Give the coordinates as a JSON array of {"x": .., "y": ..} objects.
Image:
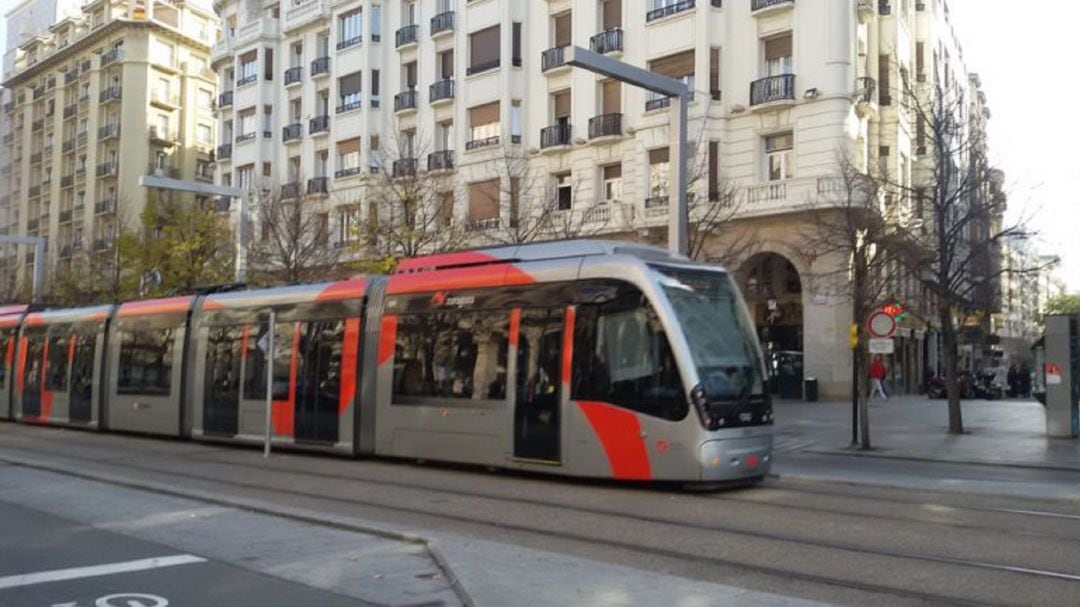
[{"x": 698, "y": 398}]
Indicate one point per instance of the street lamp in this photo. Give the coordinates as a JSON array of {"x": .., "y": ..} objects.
[
  {"x": 669, "y": 87},
  {"x": 38, "y": 243},
  {"x": 209, "y": 189}
]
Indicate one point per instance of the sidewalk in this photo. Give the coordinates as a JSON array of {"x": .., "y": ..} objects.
[{"x": 1005, "y": 432}]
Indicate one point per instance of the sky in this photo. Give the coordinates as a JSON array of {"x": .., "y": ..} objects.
[
  {"x": 1021, "y": 55},
  {"x": 1015, "y": 48}
]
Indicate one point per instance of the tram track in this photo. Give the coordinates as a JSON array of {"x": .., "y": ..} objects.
[{"x": 683, "y": 555}]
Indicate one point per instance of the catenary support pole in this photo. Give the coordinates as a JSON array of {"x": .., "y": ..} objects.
[{"x": 677, "y": 204}]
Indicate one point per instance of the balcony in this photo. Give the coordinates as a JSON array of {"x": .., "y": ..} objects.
[
  {"x": 108, "y": 131},
  {"x": 82, "y": 138},
  {"x": 68, "y": 146},
  {"x": 606, "y": 125},
  {"x": 294, "y": 75},
  {"x": 105, "y": 207},
  {"x": 757, "y": 6},
  {"x": 163, "y": 171},
  {"x": 555, "y": 136},
  {"x": 246, "y": 137},
  {"x": 66, "y": 181},
  {"x": 404, "y": 167},
  {"x": 479, "y": 68},
  {"x": 112, "y": 93},
  {"x": 407, "y": 35},
  {"x": 442, "y": 160},
  {"x": 320, "y": 67},
  {"x": 406, "y": 101},
  {"x": 80, "y": 172},
  {"x": 160, "y": 135},
  {"x": 224, "y": 151},
  {"x": 668, "y": 10},
  {"x": 317, "y": 186},
  {"x": 482, "y": 225},
  {"x": 117, "y": 54},
  {"x": 107, "y": 169},
  {"x": 442, "y": 90},
  {"x": 164, "y": 99},
  {"x": 35, "y": 158},
  {"x": 350, "y": 102},
  {"x": 553, "y": 58},
  {"x": 609, "y": 41},
  {"x": 349, "y": 42},
  {"x": 71, "y": 76},
  {"x": 773, "y": 89},
  {"x": 37, "y": 125},
  {"x": 290, "y": 190},
  {"x": 319, "y": 124},
  {"x": 477, "y": 144},
  {"x": 246, "y": 80},
  {"x": 225, "y": 99},
  {"x": 346, "y": 172},
  {"x": 70, "y": 110},
  {"x": 31, "y": 226},
  {"x": 303, "y": 12},
  {"x": 292, "y": 132},
  {"x": 65, "y": 216},
  {"x": 442, "y": 23},
  {"x": 34, "y": 191}
]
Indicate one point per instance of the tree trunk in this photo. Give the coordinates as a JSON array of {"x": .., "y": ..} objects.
[{"x": 952, "y": 384}]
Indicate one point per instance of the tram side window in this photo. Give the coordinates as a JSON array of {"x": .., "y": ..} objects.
[
  {"x": 32, "y": 370},
  {"x": 255, "y": 363},
  {"x": 146, "y": 362},
  {"x": 56, "y": 372},
  {"x": 622, "y": 357},
  {"x": 9, "y": 352},
  {"x": 452, "y": 354},
  {"x": 284, "y": 334},
  {"x": 82, "y": 367}
]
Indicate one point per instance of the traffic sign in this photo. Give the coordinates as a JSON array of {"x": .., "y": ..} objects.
[
  {"x": 882, "y": 345},
  {"x": 881, "y": 324}
]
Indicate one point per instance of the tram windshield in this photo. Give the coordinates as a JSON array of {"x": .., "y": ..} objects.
[{"x": 718, "y": 332}]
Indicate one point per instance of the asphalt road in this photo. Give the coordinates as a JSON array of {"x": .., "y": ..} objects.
[
  {"x": 829, "y": 541},
  {"x": 52, "y": 562}
]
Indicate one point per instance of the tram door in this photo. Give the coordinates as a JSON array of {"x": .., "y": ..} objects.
[
  {"x": 31, "y": 396},
  {"x": 539, "y": 385},
  {"x": 81, "y": 386},
  {"x": 319, "y": 380},
  {"x": 222, "y": 381}
]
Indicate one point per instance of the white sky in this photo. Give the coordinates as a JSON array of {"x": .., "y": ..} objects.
[{"x": 1020, "y": 50}]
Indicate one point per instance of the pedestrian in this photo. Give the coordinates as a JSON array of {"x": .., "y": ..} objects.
[{"x": 877, "y": 374}]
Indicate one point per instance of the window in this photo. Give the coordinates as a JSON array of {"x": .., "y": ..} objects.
[
  {"x": 162, "y": 53},
  {"x": 516, "y": 44},
  {"x": 484, "y": 122},
  {"x": 484, "y": 201},
  {"x": 484, "y": 50},
  {"x": 446, "y": 64},
  {"x": 612, "y": 183},
  {"x": 679, "y": 66},
  {"x": 376, "y": 23},
  {"x": 884, "y": 84},
  {"x": 244, "y": 176},
  {"x": 659, "y": 172},
  {"x": 375, "y": 88},
  {"x": 714, "y": 170},
  {"x": 248, "y": 66},
  {"x": 778, "y": 156},
  {"x": 247, "y": 123},
  {"x": 451, "y": 354},
  {"x": 622, "y": 355},
  {"x": 204, "y": 134},
  {"x": 268, "y": 64},
  {"x": 348, "y": 158},
  {"x": 348, "y": 225},
  {"x": 564, "y": 192},
  {"x": 205, "y": 99},
  {"x": 57, "y": 369},
  {"x": 349, "y": 92},
  {"x": 145, "y": 362},
  {"x": 350, "y": 27},
  {"x": 778, "y": 60},
  {"x": 515, "y": 121}
]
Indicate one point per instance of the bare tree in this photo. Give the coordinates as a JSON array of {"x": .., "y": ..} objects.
[
  {"x": 294, "y": 246},
  {"x": 413, "y": 204},
  {"x": 961, "y": 201}
]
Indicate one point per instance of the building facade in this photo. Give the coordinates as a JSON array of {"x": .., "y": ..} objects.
[
  {"x": 321, "y": 98},
  {"x": 92, "y": 103}
]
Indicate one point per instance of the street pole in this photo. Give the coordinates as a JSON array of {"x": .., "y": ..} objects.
[
  {"x": 269, "y": 429},
  {"x": 38, "y": 243},
  {"x": 677, "y": 204},
  {"x": 853, "y": 341},
  {"x": 676, "y": 90}
]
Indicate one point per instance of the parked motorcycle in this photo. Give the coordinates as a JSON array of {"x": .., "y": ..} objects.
[{"x": 984, "y": 385}]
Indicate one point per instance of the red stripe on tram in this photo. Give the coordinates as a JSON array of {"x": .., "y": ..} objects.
[
  {"x": 284, "y": 413},
  {"x": 244, "y": 334},
  {"x": 568, "y": 346},
  {"x": 9, "y": 356},
  {"x": 387, "y": 339},
  {"x": 20, "y": 374},
  {"x": 515, "y": 326},
  {"x": 619, "y": 432},
  {"x": 349, "y": 354},
  {"x": 71, "y": 349}
]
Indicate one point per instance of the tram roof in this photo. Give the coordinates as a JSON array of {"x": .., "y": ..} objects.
[
  {"x": 69, "y": 315},
  {"x": 534, "y": 252},
  {"x": 321, "y": 292}
]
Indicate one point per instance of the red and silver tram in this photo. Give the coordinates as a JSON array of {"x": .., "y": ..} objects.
[{"x": 584, "y": 358}]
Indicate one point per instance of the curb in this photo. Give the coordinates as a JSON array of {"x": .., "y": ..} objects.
[
  {"x": 260, "y": 507},
  {"x": 966, "y": 462}
]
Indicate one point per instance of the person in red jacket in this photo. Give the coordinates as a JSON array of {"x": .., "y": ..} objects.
[{"x": 877, "y": 374}]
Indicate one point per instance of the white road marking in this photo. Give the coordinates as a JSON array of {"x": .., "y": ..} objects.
[{"x": 58, "y": 575}]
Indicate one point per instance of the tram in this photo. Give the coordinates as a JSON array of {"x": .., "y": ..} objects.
[{"x": 582, "y": 358}]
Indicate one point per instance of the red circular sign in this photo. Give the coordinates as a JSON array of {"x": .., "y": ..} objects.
[{"x": 881, "y": 325}]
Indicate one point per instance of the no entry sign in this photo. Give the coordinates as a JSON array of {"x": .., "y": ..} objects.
[{"x": 881, "y": 325}]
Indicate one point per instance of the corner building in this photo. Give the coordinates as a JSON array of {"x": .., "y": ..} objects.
[
  {"x": 105, "y": 95},
  {"x": 317, "y": 95}
]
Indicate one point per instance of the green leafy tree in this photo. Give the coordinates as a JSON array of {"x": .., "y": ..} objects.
[{"x": 1064, "y": 304}]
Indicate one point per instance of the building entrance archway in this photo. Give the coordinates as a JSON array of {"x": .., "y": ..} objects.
[{"x": 773, "y": 291}]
